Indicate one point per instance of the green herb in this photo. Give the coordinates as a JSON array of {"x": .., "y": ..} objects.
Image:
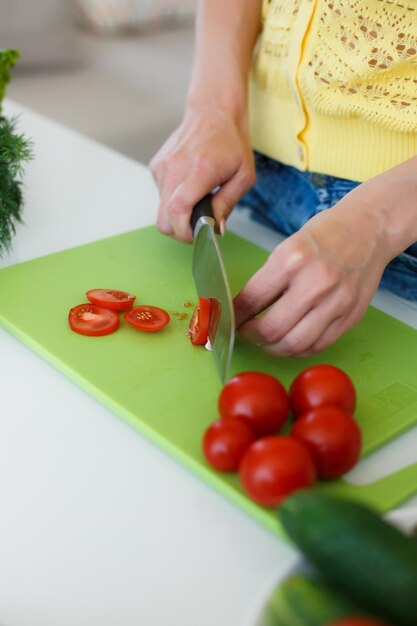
[
  {"x": 14, "y": 150},
  {"x": 8, "y": 59}
]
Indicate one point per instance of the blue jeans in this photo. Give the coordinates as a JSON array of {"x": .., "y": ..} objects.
[{"x": 284, "y": 198}]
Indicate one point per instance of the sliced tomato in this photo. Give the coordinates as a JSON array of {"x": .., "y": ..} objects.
[
  {"x": 111, "y": 299},
  {"x": 148, "y": 318},
  {"x": 215, "y": 315},
  {"x": 200, "y": 322},
  {"x": 92, "y": 320}
]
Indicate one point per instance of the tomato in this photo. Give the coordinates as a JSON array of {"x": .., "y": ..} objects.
[
  {"x": 111, "y": 299},
  {"x": 215, "y": 315},
  {"x": 257, "y": 398},
  {"x": 225, "y": 442},
  {"x": 200, "y": 322},
  {"x": 274, "y": 467},
  {"x": 90, "y": 319},
  {"x": 150, "y": 319},
  {"x": 322, "y": 385},
  {"x": 356, "y": 621},
  {"x": 332, "y": 437}
]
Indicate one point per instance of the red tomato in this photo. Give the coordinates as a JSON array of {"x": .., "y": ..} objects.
[
  {"x": 259, "y": 399},
  {"x": 274, "y": 467},
  {"x": 200, "y": 322},
  {"x": 332, "y": 437},
  {"x": 215, "y": 316},
  {"x": 90, "y": 319},
  {"x": 111, "y": 299},
  {"x": 322, "y": 385},
  {"x": 356, "y": 621},
  {"x": 147, "y": 318},
  {"x": 225, "y": 442}
]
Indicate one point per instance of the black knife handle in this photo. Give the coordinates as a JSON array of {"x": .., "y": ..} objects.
[{"x": 203, "y": 208}]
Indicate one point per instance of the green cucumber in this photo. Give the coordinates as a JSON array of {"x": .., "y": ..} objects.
[
  {"x": 302, "y": 600},
  {"x": 357, "y": 552}
]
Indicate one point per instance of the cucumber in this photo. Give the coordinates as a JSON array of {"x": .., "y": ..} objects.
[
  {"x": 302, "y": 600},
  {"x": 357, "y": 552}
]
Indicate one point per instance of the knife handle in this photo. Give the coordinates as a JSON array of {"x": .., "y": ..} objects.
[{"x": 203, "y": 208}]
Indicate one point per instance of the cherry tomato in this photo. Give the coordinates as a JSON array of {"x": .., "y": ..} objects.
[
  {"x": 111, "y": 299},
  {"x": 356, "y": 621},
  {"x": 215, "y": 316},
  {"x": 332, "y": 437},
  {"x": 274, "y": 467},
  {"x": 92, "y": 320},
  {"x": 225, "y": 442},
  {"x": 322, "y": 385},
  {"x": 257, "y": 398},
  {"x": 200, "y": 322},
  {"x": 150, "y": 319}
]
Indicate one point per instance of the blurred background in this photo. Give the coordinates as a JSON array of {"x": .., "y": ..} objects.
[{"x": 115, "y": 70}]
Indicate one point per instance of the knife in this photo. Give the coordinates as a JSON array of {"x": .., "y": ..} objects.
[{"x": 211, "y": 281}]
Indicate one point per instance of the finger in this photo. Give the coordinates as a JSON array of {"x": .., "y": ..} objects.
[
  {"x": 180, "y": 205},
  {"x": 331, "y": 334},
  {"x": 336, "y": 329},
  {"x": 282, "y": 268},
  {"x": 303, "y": 337},
  {"x": 230, "y": 193},
  {"x": 168, "y": 179},
  {"x": 264, "y": 288},
  {"x": 163, "y": 223},
  {"x": 277, "y": 322}
]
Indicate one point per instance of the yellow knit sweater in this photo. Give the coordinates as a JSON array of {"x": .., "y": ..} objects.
[{"x": 333, "y": 85}]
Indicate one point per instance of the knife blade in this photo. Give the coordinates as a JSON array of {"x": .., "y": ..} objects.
[{"x": 211, "y": 281}]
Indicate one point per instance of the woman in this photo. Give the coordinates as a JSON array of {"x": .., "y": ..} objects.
[{"x": 333, "y": 120}]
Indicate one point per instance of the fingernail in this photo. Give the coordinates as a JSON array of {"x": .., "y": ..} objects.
[{"x": 222, "y": 226}]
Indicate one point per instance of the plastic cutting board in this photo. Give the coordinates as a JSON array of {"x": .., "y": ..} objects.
[{"x": 166, "y": 388}]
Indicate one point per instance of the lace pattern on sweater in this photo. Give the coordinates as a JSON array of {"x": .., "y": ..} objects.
[{"x": 360, "y": 58}]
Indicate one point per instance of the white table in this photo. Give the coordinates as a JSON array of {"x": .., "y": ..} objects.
[{"x": 97, "y": 525}]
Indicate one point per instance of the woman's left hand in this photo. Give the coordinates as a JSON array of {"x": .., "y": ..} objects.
[{"x": 319, "y": 282}]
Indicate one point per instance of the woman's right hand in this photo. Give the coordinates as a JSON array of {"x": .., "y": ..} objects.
[{"x": 210, "y": 149}]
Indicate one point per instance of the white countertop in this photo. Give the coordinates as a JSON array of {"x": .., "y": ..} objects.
[{"x": 98, "y": 526}]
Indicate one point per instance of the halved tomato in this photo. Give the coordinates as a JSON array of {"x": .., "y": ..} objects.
[
  {"x": 92, "y": 320},
  {"x": 111, "y": 299},
  {"x": 148, "y": 318},
  {"x": 200, "y": 322}
]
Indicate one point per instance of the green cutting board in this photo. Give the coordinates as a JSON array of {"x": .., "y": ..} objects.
[{"x": 166, "y": 388}]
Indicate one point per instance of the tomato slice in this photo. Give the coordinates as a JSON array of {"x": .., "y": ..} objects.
[
  {"x": 111, "y": 299},
  {"x": 200, "y": 322},
  {"x": 92, "y": 320},
  {"x": 150, "y": 319},
  {"x": 215, "y": 315}
]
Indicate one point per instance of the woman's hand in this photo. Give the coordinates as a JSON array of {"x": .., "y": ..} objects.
[
  {"x": 319, "y": 282},
  {"x": 209, "y": 149}
]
